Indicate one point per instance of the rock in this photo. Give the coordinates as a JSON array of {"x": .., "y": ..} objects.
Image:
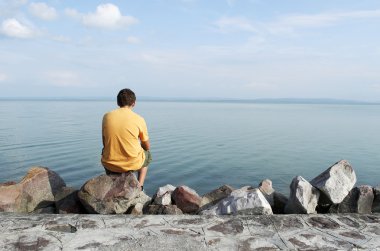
[
  {"x": 276, "y": 200},
  {"x": 376, "y": 201},
  {"x": 359, "y": 200},
  {"x": 186, "y": 199},
  {"x": 335, "y": 183},
  {"x": 35, "y": 191},
  {"x": 303, "y": 197},
  {"x": 67, "y": 201},
  {"x": 136, "y": 209},
  {"x": 162, "y": 209},
  {"x": 246, "y": 201},
  {"x": 45, "y": 210},
  {"x": 265, "y": 186},
  {"x": 279, "y": 203},
  {"x": 111, "y": 194},
  {"x": 163, "y": 195},
  {"x": 215, "y": 196}
]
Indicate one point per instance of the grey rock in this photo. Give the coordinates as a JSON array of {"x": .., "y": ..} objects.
[
  {"x": 136, "y": 209},
  {"x": 111, "y": 194},
  {"x": 303, "y": 197},
  {"x": 45, "y": 210},
  {"x": 67, "y": 201},
  {"x": 279, "y": 203},
  {"x": 35, "y": 191},
  {"x": 186, "y": 199},
  {"x": 276, "y": 200},
  {"x": 213, "y": 197},
  {"x": 359, "y": 200},
  {"x": 161, "y": 209},
  {"x": 376, "y": 200},
  {"x": 336, "y": 182},
  {"x": 163, "y": 195},
  {"x": 246, "y": 200}
]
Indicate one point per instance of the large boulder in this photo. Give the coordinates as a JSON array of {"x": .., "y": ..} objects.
[
  {"x": 359, "y": 200},
  {"x": 163, "y": 195},
  {"x": 213, "y": 197},
  {"x": 162, "y": 209},
  {"x": 336, "y": 182},
  {"x": 186, "y": 199},
  {"x": 112, "y": 194},
  {"x": 246, "y": 201},
  {"x": 303, "y": 197},
  {"x": 376, "y": 200},
  {"x": 33, "y": 193},
  {"x": 67, "y": 201}
]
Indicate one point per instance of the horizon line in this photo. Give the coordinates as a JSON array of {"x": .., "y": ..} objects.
[{"x": 203, "y": 99}]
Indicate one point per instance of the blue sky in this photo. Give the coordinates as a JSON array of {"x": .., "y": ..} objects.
[{"x": 191, "y": 48}]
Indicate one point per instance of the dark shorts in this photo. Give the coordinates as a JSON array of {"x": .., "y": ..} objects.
[{"x": 148, "y": 159}]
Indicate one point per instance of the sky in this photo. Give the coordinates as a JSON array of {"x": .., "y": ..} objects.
[{"x": 240, "y": 49}]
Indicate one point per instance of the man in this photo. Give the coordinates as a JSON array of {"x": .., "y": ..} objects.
[{"x": 125, "y": 139}]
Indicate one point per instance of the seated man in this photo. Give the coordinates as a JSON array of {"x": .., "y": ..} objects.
[{"x": 125, "y": 139}]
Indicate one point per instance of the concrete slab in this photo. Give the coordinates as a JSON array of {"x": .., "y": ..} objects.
[{"x": 189, "y": 232}]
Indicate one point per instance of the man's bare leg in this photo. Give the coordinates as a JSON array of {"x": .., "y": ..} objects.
[{"x": 142, "y": 175}]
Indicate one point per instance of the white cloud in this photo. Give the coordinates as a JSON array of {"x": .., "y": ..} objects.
[
  {"x": 107, "y": 16},
  {"x": 63, "y": 78},
  {"x": 13, "y": 28},
  {"x": 3, "y": 77},
  {"x": 43, "y": 11},
  {"x": 73, "y": 13},
  {"x": 133, "y": 40},
  {"x": 290, "y": 23},
  {"x": 233, "y": 24}
]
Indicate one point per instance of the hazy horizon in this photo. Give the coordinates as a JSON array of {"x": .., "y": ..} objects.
[{"x": 229, "y": 49}]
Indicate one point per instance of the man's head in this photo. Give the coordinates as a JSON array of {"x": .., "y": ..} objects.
[{"x": 126, "y": 97}]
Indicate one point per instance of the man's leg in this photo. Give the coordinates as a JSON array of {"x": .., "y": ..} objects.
[{"x": 142, "y": 175}]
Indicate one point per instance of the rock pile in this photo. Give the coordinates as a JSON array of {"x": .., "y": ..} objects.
[{"x": 44, "y": 191}]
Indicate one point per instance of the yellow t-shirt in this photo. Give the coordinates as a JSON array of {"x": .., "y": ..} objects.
[{"x": 122, "y": 131}]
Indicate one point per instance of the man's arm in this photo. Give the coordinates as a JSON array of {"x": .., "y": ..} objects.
[{"x": 145, "y": 145}]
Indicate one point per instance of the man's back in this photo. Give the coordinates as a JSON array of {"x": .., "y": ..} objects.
[{"x": 122, "y": 131}]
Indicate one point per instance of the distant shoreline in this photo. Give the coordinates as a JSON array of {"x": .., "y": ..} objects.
[{"x": 205, "y": 100}]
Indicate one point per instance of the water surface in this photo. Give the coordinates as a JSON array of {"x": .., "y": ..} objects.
[{"x": 200, "y": 144}]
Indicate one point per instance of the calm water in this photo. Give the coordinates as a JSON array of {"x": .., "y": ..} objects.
[{"x": 202, "y": 145}]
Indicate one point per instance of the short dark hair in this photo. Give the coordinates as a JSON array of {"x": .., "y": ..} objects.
[{"x": 126, "y": 97}]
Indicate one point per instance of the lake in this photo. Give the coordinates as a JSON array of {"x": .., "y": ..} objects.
[{"x": 199, "y": 144}]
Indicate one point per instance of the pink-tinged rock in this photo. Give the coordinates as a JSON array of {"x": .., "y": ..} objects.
[
  {"x": 35, "y": 191},
  {"x": 303, "y": 197},
  {"x": 186, "y": 199},
  {"x": 359, "y": 200},
  {"x": 335, "y": 183},
  {"x": 111, "y": 194},
  {"x": 67, "y": 201}
]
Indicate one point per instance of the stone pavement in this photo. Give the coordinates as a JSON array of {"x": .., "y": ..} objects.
[{"x": 189, "y": 232}]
